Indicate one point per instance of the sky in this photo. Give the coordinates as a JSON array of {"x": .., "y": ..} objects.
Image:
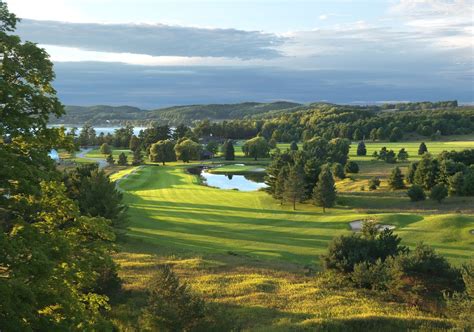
[{"x": 156, "y": 53}]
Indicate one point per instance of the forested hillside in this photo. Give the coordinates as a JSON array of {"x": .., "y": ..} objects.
[{"x": 119, "y": 115}]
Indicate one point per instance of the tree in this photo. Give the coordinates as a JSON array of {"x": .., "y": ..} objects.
[
  {"x": 172, "y": 306},
  {"x": 438, "y": 192},
  {"x": 51, "y": 256},
  {"x": 256, "y": 147},
  {"x": 395, "y": 181},
  {"x": 402, "y": 155},
  {"x": 137, "y": 157},
  {"x": 228, "y": 150},
  {"x": 427, "y": 172},
  {"x": 294, "y": 185},
  {"x": 105, "y": 149},
  {"x": 351, "y": 167},
  {"x": 373, "y": 134},
  {"x": 361, "y": 149},
  {"x": 272, "y": 143},
  {"x": 390, "y": 157},
  {"x": 122, "y": 160},
  {"x": 416, "y": 193},
  {"x": 279, "y": 184},
  {"x": 338, "y": 171},
  {"x": 294, "y": 146},
  {"x": 422, "y": 149},
  {"x": 162, "y": 152},
  {"x": 110, "y": 160},
  {"x": 324, "y": 193},
  {"x": 134, "y": 143},
  {"x": 374, "y": 183},
  {"x": 456, "y": 184},
  {"x": 396, "y": 135},
  {"x": 212, "y": 147},
  {"x": 411, "y": 172},
  {"x": 188, "y": 150}
]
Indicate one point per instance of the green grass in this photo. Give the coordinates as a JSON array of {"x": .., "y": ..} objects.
[
  {"x": 250, "y": 256},
  {"x": 170, "y": 210},
  {"x": 434, "y": 148},
  {"x": 115, "y": 153}
]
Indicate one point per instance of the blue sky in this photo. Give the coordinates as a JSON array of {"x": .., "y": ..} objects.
[{"x": 157, "y": 53}]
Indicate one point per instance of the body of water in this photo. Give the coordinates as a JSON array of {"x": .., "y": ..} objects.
[
  {"x": 229, "y": 181},
  {"x": 98, "y": 130}
]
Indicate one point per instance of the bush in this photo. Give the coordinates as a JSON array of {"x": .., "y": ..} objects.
[
  {"x": 416, "y": 193},
  {"x": 345, "y": 252},
  {"x": 352, "y": 167},
  {"x": 338, "y": 171},
  {"x": 171, "y": 304},
  {"x": 438, "y": 192},
  {"x": 374, "y": 183}
]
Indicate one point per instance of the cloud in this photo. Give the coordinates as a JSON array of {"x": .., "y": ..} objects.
[
  {"x": 153, "y": 39},
  {"x": 156, "y": 86}
]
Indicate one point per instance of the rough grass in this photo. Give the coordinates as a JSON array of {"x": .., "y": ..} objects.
[
  {"x": 255, "y": 259},
  {"x": 95, "y": 153}
]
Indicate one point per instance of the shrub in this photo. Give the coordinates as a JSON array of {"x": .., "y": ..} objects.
[
  {"x": 416, "y": 193},
  {"x": 338, "y": 171},
  {"x": 374, "y": 183},
  {"x": 361, "y": 149},
  {"x": 352, "y": 167},
  {"x": 395, "y": 181},
  {"x": 438, "y": 192},
  {"x": 171, "y": 304}
]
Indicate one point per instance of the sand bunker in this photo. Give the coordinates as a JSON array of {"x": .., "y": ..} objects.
[{"x": 357, "y": 226}]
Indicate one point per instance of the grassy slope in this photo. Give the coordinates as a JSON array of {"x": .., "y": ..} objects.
[{"x": 246, "y": 252}]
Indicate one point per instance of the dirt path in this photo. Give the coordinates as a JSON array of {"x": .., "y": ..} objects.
[{"x": 82, "y": 154}]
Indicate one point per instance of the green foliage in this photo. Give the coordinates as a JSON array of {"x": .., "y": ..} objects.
[
  {"x": 427, "y": 171},
  {"x": 402, "y": 155},
  {"x": 374, "y": 183},
  {"x": 97, "y": 196},
  {"x": 171, "y": 304},
  {"x": 351, "y": 167},
  {"x": 212, "y": 147},
  {"x": 122, "y": 160},
  {"x": 439, "y": 192},
  {"x": 110, "y": 160},
  {"x": 188, "y": 150},
  {"x": 105, "y": 149},
  {"x": 137, "y": 157},
  {"x": 361, "y": 149},
  {"x": 163, "y": 151},
  {"x": 345, "y": 252},
  {"x": 293, "y": 190},
  {"x": 294, "y": 146},
  {"x": 338, "y": 171},
  {"x": 228, "y": 150},
  {"x": 256, "y": 147},
  {"x": 324, "y": 193},
  {"x": 416, "y": 193},
  {"x": 422, "y": 149},
  {"x": 395, "y": 181},
  {"x": 134, "y": 143},
  {"x": 411, "y": 172}
]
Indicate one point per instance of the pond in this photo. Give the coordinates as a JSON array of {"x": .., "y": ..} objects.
[{"x": 248, "y": 182}]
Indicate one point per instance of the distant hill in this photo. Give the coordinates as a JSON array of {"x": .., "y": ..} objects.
[
  {"x": 118, "y": 115},
  {"x": 103, "y": 115}
]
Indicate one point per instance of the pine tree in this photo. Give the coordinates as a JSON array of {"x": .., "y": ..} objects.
[
  {"x": 134, "y": 143},
  {"x": 395, "y": 180},
  {"x": 280, "y": 184},
  {"x": 137, "y": 157},
  {"x": 402, "y": 154},
  {"x": 293, "y": 146},
  {"x": 229, "y": 153},
  {"x": 105, "y": 149},
  {"x": 361, "y": 149},
  {"x": 122, "y": 161},
  {"x": 110, "y": 160},
  {"x": 422, "y": 149},
  {"x": 324, "y": 193},
  {"x": 294, "y": 185}
]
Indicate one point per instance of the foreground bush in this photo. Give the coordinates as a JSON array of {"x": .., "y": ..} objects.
[{"x": 416, "y": 193}]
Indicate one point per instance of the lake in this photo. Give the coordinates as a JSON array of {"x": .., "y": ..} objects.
[
  {"x": 98, "y": 130},
  {"x": 249, "y": 182}
]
